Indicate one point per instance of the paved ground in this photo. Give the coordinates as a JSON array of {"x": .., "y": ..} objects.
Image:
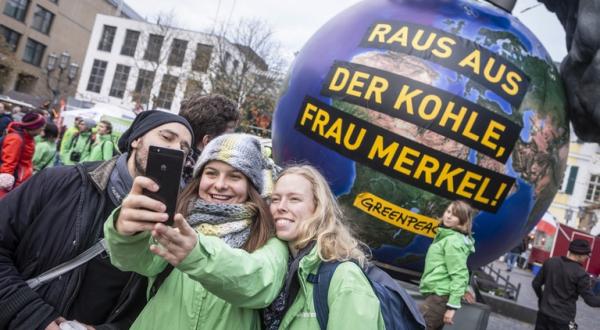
[
  {"x": 499, "y": 322},
  {"x": 587, "y": 317}
]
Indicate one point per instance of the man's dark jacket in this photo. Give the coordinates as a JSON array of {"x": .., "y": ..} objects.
[
  {"x": 564, "y": 280},
  {"x": 50, "y": 219}
]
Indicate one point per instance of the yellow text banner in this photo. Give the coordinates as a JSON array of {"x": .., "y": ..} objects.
[{"x": 395, "y": 215}]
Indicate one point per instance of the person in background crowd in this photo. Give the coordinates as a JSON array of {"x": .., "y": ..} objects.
[
  {"x": 226, "y": 261},
  {"x": 513, "y": 255},
  {"x": 210, "y": 116},
  {"x": 104, "y": 147},
  {"x": 308, "y": 218},
  {"x": 45, "y": 148},
  {"x": 445, "y": 278},
  {"x": 81, "y": 144},
  {"x": 17, "y": 113},
  {"x": 5, "y": 119},
  {"x": 17, "y": 151},
  {"x": 66, "y": 139},
  {"x": 559, "y": 284},
  {"x": 59, "y": 213}
]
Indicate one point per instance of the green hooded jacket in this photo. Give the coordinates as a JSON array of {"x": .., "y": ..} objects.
[
  {"x": 44, "y": 155},
  {"x": 81, "y": 143},
  {"x": 351, "y": 299},
  {"x": 65, "y": 142},
  {"x": 214, "y": 287},
  {"x": 102, "y": 149},
  {"x": 446, "y": 272}
]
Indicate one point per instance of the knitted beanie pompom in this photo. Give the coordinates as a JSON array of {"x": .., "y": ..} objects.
[{"x": 6, "y": 181}]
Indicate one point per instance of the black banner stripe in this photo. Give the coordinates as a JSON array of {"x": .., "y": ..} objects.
[
  {"x": 449, "y": 50},
  {"x": 426, "y": 106},
  {"x": 401, "y": 158}
]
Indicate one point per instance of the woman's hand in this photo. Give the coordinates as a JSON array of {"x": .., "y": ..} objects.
[
  {"x": 138, "y": 211},
  {"x": 449, "y": 316},
  {"x": 175, "y": 242}
]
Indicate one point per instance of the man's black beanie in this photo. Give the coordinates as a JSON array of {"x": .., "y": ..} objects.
[{"x": 146, "y": 121}]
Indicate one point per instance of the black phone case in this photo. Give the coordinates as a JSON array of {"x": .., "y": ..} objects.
[{"x": 164, "y": 166}]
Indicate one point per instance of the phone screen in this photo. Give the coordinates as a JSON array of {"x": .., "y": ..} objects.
[{"x": 164, "y": 166}]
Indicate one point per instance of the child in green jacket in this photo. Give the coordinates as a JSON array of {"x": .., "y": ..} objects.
[
  {"x": 45, "y": 148},
  {"x": 445, "y": 278},
  {"x": 307, "y": 216}
]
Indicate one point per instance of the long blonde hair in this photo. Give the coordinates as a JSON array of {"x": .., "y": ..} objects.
[{"x": 333, "y": 237}]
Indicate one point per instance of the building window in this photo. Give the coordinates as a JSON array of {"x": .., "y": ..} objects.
[
  {"x": 34, "y": 51},
  {"x": 97, "y": 76},
  {"x": 11, "y": 37},
  {"x": 593, "y": 192},
  {"x": 42, "y": 20},
  {"x": 177, "y": 54},
  {"x": 569, "y": 182},
  {"x": 117, "y": 89},
  {"x": 16, "y": 9},
  {"x": 226, "y": 60},
  {"x": 167, "y": 92},
  {"x": 108, "y": 36},
  {"x": 202, "y": 60},
  {"x": 25, "y": 83},
  {"x": 193, "y": 87},
  {"x": 143, "y": 86},
  {"x": 155, "y": 42},
  {"x": 130, "y": 43}
]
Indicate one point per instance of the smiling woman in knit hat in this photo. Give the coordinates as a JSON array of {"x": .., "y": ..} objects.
[
  {"x": 226, "y": 245},
  {"x": 17, "y": 149}
]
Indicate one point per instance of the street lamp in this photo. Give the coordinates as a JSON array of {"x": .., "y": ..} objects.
[{"x": 55, "y": 81}]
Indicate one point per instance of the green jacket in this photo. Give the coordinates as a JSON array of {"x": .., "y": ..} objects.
[
  {"x": 65, "y": 142},
  {"x": 81, "y": 143},
  {"x": 215, "y": 287},
  {"x": 446, "y": 272},
  {"x": 102, "y": 149},
  {"x": 352, "y": 302},
  {"x": 44, "y": 155}
]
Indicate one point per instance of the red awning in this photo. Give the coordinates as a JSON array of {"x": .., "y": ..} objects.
[{"x": 547, "y": 224}]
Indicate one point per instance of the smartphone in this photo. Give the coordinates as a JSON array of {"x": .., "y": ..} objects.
[{"x": 164, "y": 166}]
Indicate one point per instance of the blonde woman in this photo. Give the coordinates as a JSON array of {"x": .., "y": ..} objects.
[{"x": 308, "y": 218}]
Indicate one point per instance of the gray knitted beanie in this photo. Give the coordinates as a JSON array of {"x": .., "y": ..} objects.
[
  {"x": 89, "y": 123},
  {"x": 241, "y": 151}
]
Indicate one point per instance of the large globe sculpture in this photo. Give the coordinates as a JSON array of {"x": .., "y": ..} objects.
[{"x": 408, "y": 105}]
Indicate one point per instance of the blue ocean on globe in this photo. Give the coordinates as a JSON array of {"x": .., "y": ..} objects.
[{"x": 537, "y": 158}]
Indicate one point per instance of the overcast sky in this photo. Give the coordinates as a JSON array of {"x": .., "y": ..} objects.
[{"x": 294, "y": 22}]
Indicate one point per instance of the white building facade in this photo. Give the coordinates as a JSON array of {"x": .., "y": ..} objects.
[
  {"x": 581, "y": 185},
  {"x": 136, "y": 64}
]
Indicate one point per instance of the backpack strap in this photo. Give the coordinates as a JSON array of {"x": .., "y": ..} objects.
[
  {"x": 49, "y": 161},
  {"x": 321, "y": 282},
  {"x": 89, "y": 143},
  {"x": 159, "y": 280},
  {"x": 74, "y": 141},
  {"x": 68, "y": 266},
  {"x": 114, "y": 150}
]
